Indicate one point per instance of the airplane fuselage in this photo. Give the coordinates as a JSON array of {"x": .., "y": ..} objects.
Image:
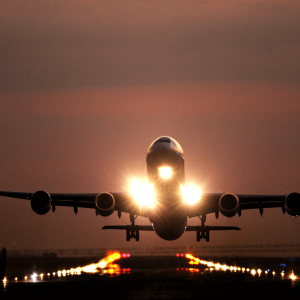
[{"x": 169, "y": 219}]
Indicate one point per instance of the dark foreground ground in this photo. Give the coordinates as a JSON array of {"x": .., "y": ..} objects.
[{"x": 152, "y": 278}]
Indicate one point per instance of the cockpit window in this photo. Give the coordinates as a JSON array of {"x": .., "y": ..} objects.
[
  {"x": 162, "y": 141},
  {"x": 173, "y": 144}
]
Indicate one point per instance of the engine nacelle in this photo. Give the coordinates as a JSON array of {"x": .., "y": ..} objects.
[
  {"x": 292, "y": 204},
  {"x": 40, "y": 202},
  {"x": 105, "y": 204},
  {"x": 229, "y": 205}
]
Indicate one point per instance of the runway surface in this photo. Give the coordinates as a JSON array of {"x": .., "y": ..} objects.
[{"x": 182, "y": 276}]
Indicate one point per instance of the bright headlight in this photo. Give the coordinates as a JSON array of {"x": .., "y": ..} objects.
[
  {"x": 142, "y": 192},
  {"x": 191, "y": 194},
  {"x": 165, "y": 172}
]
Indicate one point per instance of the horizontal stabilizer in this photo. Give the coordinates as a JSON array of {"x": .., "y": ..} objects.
[
  {"x": 137, "y": 227},
  {"x": 210, "y": 228}
]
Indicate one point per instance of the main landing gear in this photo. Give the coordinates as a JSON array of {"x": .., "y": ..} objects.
[
  {"x": 202, "y": 231},
  {"x": 132, "y": 231}
]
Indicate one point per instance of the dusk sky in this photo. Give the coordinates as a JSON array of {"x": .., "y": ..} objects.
[{"x": 86, "y": 86}]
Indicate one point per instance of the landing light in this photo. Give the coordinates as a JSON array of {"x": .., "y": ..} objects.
[
  {"x": 165, "y": 172},
  {"x": 142, "y": 192},
  {"x": 191, "y": 194}
]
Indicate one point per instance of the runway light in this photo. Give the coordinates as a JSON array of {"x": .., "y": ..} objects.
[
  {"x": 165, "y": 172},
  {"x": 34, "y": 276},
  {"x": 16, "y": 278},
  {"x": 4, "y": 282},
  {"x": 191, "y": 194},
  {"x": 293, "y": 276},
  {"x": 217, "y": 266}
]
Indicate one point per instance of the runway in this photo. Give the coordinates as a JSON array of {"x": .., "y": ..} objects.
[{"x": 182, "y": 276}]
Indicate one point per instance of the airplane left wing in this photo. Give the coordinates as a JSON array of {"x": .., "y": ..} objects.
[{"x": 104, "y": 203}]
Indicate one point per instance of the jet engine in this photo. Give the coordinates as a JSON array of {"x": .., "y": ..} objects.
[
  {"x": 105, "y": 204},
  {"x": 292, "y": 204},
  {"x": 229, "y": 205},
  {"x": 40, "y": 202}
]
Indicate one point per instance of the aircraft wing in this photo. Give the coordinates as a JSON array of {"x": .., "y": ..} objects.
[
  {"x": 209, "y": 203},
  {"x": 123, "y": 201}
]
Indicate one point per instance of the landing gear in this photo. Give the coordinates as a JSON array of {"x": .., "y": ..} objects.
[
  {"x": 132, "y": 231},
  {"x": 202, "y": 231}
]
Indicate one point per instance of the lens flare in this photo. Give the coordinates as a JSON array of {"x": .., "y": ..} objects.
[
  {"x": 142, "y": 192},
  {"x": 165, "y": 172},
  {"x": 191, "y": 194}
]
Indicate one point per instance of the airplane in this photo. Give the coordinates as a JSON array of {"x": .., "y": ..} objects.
[{"x": 165, "y": 199}]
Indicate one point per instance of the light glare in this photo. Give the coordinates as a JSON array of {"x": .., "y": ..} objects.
[
  {"x": 142, "y": 192},
  {"x": 165, "y": 172},
  {"x": 191, "y": 194}
]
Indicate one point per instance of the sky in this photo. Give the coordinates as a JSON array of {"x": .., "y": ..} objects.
[{"x": 86, "y": 86}]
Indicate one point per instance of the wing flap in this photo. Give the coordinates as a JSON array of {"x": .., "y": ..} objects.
[
  {"x": 122, "y": 227},
  {"x": 210, "y": 228}
]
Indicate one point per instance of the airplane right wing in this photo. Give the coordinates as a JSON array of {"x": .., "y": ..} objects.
[{"x": 232, "y": 204}]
